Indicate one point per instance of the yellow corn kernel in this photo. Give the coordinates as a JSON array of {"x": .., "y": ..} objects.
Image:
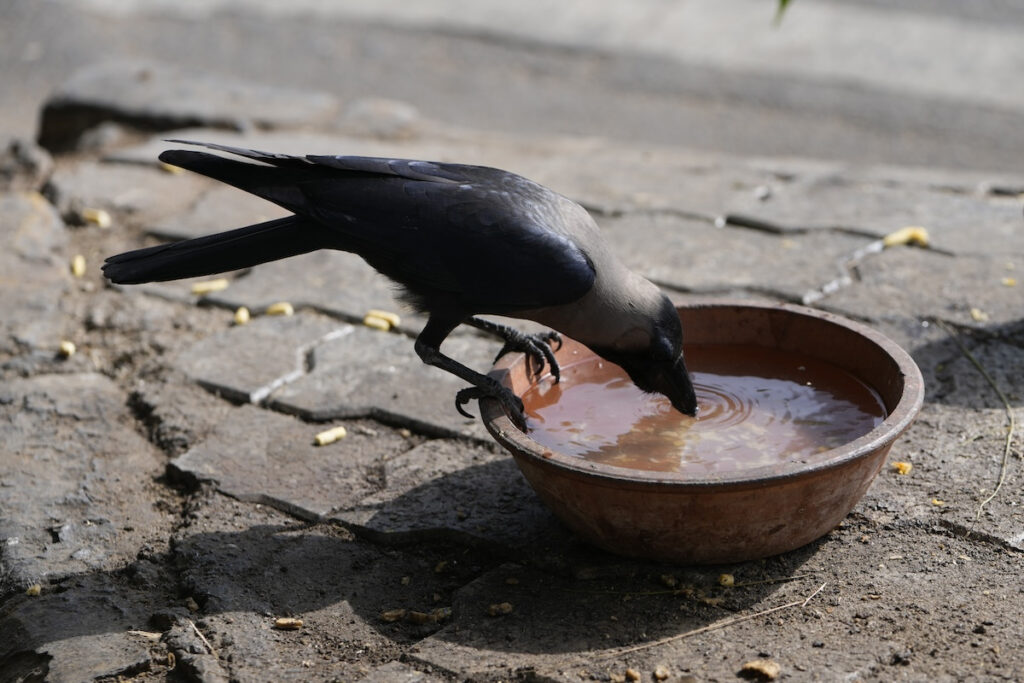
[
  {"x": 392, "y": 318},
  {"x": 78, "y": 265},
  {"x": 209, "y": 286},
  {"x": 330, "y": 436},
  {"x": 909, "y": 235},
  {"x": 938, "y": 503},
  {"x": 67, "y": 349},
  {"x": 376, "y": 323},
  {"x": 242, "y": 315},
  {"x": 98, "y": 217},
  {"x": 1009, "y": 282},
  {"x": 978, "y": 315},
  {"x": 902, "y": 467},
  {"x": 726, "y": 580},
  {"x": 33, "y": 590},
  {"x": 280, "y": 308}
]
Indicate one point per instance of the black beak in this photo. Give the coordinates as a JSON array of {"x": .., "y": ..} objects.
[
  {"x": 674, "y": 382},
  {"x": 669, "y": 378}
]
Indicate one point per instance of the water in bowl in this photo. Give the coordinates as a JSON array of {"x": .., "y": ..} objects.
[{"x": 758, "y": 406}]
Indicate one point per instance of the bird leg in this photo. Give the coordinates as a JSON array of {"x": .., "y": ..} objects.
[
  {"x": 428, "y": 348},
  {"x": 537, "y": 347}
]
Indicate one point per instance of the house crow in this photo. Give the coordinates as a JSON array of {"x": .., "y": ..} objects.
[{"x": 460, "y": 240}]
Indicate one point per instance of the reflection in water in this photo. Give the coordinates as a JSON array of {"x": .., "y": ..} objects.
[{"x": 758, "y": 406}]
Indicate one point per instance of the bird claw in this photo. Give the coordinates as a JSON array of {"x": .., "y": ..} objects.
[
  {"x": 512, "y": 404},
  {"x": 539, "y": 349}
]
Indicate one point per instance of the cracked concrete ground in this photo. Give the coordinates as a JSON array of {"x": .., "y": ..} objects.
[{"x": 162, "y": 502}]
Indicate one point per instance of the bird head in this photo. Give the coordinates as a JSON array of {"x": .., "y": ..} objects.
[{"x": 652, "y": 356}]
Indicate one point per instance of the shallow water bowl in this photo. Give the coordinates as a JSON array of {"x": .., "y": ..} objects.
[{"x": 725, "y": 516}]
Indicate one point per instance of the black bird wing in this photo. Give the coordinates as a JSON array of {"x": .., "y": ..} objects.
[{"x": 493, "y": 240}]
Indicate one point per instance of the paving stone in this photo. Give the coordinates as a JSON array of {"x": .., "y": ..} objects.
[
  {"x": 370, "y": 373},
  {"x": 908, "y": 282},
  {"x": 247, "y": 565},
  {"x": 696, "y": 256},
  {"x": 34, "y": 272},
  {"x": 217, "y": 209},
  {"x": 142, "y": 194},
  {"x": 396, "y": 672},
  {"x": 957, "y": 223},
  {"x": 337, "y": 283},
  {"x": 247, "y": 362},
  {"x": 81, "y": 633},
  {"x": 260, "y": 456},
  {"x": 151, "y": 96},
  {"x": 453, "y": 490},
  {"x": 77, "y": 478},
  {"x": 24, "y": 166}
]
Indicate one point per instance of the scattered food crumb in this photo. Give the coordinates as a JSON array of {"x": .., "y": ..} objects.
[
  {"x": 632, "y": 675},
  {"x": 661, "y": 672},
  {"x": 210, "y": 286},
  {"x": 726, "y": 580},
  {"x": 938, "y": 503},
  {"x": 617, "y": 678},
  {"x": 66, "y": 349},
  {"x": 404, "y": 433},
  {"x": 979, "y": 315},
  {"x": 98, "y": 217},
  {"x": 499, "y": 609},
  {"x": 1009, "y": 282},
  {"x": 242, "y": 315},
  {"x": 280, "y": 308},
  {"x": 34, "y": 590},
  {"x": 287, "y": 624},
  {"x": 330, "y": 436},
  {"x": 78, "y": 265},
  {"x": 375, "y": 323},
  {"x": 393, "y": 615},
  {"x": 909, "y": 235},
  {"x": 902, "y": 467},
  {"x": 405, "y": 580},
  {"x": 392, "y": 319},
  {"x": 761, "y": 669},
  {"x": 669, "y": 580}
]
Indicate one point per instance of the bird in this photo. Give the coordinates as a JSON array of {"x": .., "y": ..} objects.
[{"x": 461, "y": 241}]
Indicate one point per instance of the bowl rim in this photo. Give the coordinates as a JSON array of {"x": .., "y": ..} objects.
[{"x": 881, "y": 437}]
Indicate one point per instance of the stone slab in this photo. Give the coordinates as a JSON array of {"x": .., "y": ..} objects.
[
  {"x": 76, "y": 491},
  {"x": 455, "y": 491},
  {"x": 334, "y": 282},
  {"x": 218, "y": 208},
  {"x": 246, "y": 565},
  {"x": 151, "y": 96},
  {"x": 260, "y": 456},
  {"x": 908, "y": 282},
  {"x": 34, "y": 272},
  {"x": 695, "y": 256},
  {"x": 890, "y": 622},
  {"x": 376, "y": 374},
  {"x": 959, "y": 223},
  {"x": 246, "y": 362},
  {"x": 130, "y": 192}
]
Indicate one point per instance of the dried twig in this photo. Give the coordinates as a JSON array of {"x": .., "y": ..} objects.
[
  {"x": 1008, "y": 444},
  {"x": 202, "y": 637},
  {"x": 712, "y": 627}
]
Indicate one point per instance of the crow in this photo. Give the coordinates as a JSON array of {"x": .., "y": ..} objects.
[{"x": 460, "y": 241}]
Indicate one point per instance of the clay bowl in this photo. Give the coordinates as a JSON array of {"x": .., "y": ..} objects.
[{"x": 669, "y": 516}]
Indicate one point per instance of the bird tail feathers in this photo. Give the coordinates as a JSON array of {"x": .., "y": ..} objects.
[{"x": 219, "y": 253}]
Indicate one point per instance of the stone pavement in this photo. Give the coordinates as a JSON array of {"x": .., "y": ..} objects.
[{"x": 162, "y": 502}]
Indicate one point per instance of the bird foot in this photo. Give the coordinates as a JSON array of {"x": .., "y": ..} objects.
[
  {"x": 539, "y": 349},
  {"x": 512, "y": 404}
]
